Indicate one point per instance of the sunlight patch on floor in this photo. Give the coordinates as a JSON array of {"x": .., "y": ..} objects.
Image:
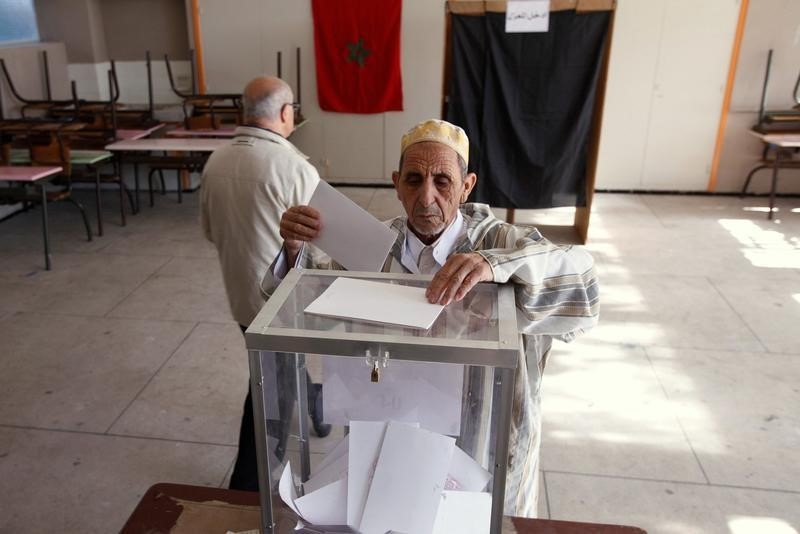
[
  {"x": 759, "y": 525},
  {"x": 764, "y": 248}
]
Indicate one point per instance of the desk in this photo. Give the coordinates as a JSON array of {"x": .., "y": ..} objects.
[
  {"x": 784, "y": 144},
  {"x": 179, "y": 509},
  {"x": 89, "y": 158},
  {"x": 139, "y": 151},
  {"x": 30, "y": 175}
]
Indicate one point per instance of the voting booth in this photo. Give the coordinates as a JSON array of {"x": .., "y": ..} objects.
[{"x": 420, "y": 414}]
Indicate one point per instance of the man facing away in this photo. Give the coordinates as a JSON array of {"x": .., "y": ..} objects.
[
  {"x": 462, "y": 244},
  {"x": 245, "y": 187}
]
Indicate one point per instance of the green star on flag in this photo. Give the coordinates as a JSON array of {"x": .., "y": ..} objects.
[{"x": 358, "y": 52}]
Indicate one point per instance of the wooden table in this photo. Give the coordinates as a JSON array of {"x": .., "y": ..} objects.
[
  {"x": 138, "y": 151},
  {"x": 784, "y": 144},
  {"x": 31, "y": 175},
  {"x": 179, "y": 509}
]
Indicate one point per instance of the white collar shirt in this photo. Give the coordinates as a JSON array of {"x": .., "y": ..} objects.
[{"x": 442, "y": 247}]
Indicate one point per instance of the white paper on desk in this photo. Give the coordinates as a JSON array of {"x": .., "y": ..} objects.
[
  {"x": 412, "y": 392},
  {"x": 350, "y": 235},
  {"x": 465, "y": 512},
  {"x": 465, "y": 474},
  {"x": 376, "y": 302},
  {"x": 410, "y": 474}
]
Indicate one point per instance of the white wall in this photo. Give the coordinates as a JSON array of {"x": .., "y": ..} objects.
[
  {"x": 668, "y": 67},
  {"x": 241, "y": 40},
  {"x": 92, "y": 82},
  {"x": 26, "y": 67}
]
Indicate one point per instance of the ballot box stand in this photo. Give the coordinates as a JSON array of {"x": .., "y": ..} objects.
[{"x": 477, "y": 335}]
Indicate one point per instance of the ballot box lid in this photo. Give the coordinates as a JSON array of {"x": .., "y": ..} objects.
[{"x": 480, "y": 329}]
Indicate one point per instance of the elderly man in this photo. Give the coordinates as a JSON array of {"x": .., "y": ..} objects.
[
  {"x": 463, "y": 244},
  {"x": 245, "y": 187}
]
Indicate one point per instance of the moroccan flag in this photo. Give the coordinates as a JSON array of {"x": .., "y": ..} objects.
[{"x": 357, "y": 44}]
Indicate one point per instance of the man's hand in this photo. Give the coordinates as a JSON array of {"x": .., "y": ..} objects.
[
  {"x": 458, "y": 276},
  {"x": 298, "y": 224}
]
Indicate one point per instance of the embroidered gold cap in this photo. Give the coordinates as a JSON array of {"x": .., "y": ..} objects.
[{"x": 438, "y": 131}]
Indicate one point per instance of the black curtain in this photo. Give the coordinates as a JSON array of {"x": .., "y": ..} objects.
[{"x": 526, "y": 103}]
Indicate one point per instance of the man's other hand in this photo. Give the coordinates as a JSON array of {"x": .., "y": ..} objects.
[
  {"x": 457, "y": 277},
  {"x": 298, "y": 224}
]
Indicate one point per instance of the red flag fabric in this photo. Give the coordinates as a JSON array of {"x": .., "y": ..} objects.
[{"x": 357, "y": 45}]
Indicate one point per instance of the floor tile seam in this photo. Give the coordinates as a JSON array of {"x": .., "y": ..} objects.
[
  {"x": 546, "y": 494},
  {"x": 58, "y": 314},
  {"x": 675, "y": 416},
  {"x": 647, "y": 204},
  {"x": 217, "y": 323},
  {"x": 114, "y": 435},
  {"x": 88, "y": 316},
  {"x": 755, "y": 353},
  {"x": 152, "y": 376},
  {"x": 668, "y": 481},
  {"x": 675, "y": 347},
  {"x": 229, "y": 470},
  {"x": 142, "y": 283},
  {"x": 735, "y": 311},
  {"x": 174, "y": 256}
]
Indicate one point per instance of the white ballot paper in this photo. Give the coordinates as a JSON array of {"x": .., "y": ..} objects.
[
  {"x": 367, "y": 438},
  {"x": 413, "y": 392},
  {"x": 350, "y": 235},
  {"x": 376, "y": 302},
  {"x": 465, "y": 474},
  {"x": 409, "y": 479},
  {"x": 326, "y": 506},
  {"x": 465, "y": 512},
  {"x": 391, "y": 477}
]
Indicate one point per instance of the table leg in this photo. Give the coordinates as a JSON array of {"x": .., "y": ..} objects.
[
  {"x": 98, "y": 201},
  {"x": 45, "y": 230},
  {"x": 117, "y": 169},
  {"x": 775, "y": 166},
  {"x": 136, "y": 184}
]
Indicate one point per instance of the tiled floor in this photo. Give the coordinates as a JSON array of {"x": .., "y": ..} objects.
[{"x": 680, "y": 413}]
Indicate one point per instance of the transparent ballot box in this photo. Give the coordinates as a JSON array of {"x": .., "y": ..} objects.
[{"x": 419, "y": 418}]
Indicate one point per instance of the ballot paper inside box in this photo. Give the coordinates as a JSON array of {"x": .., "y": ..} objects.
[{"x": 453, "y": 380}]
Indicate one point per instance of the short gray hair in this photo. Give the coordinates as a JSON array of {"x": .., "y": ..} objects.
[{"x": 267, "y": 105}]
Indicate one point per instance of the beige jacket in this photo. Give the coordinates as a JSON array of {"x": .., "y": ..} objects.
[{"x": 246, "y": 187}]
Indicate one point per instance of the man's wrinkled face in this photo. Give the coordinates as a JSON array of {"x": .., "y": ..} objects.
[{"x": 430, "y": 187}]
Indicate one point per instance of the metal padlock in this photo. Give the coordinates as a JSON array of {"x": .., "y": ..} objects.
[{"x": 375, "y": 375}]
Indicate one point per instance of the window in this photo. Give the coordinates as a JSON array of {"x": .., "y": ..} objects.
[{"x": 17, "y": 22}]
